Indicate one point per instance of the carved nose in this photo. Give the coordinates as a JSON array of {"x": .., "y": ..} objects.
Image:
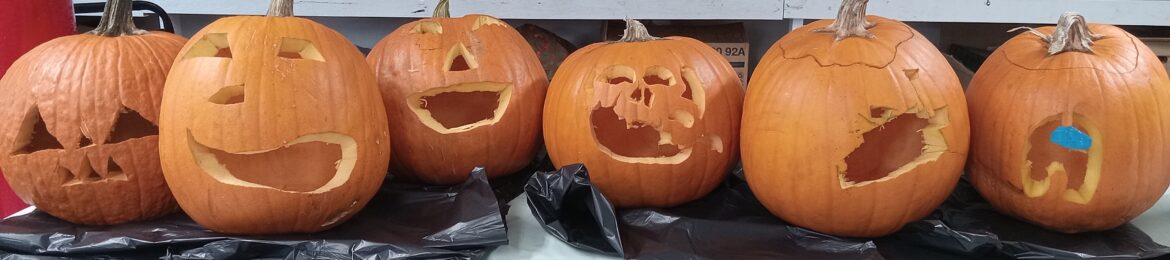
[{"x": 642, "y": 95}]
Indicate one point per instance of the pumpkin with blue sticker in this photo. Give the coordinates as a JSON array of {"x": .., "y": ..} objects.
[{"x": 1067, "y": 127}]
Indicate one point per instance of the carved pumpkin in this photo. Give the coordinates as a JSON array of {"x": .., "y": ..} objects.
[
  {"x": 1067, "y": 127},
  {"x": 854, "y": 128},
  {"x": 272, "y": 124},
  {"x": 78, "y": 130},
  {"x": 460, "y": 93},
  {"x": 655, "y": 119}
]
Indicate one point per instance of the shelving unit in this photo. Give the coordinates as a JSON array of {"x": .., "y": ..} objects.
[
  {"x": 1120, "y": 12},
  {"x": 506, "y": 9},
  {"x": 1117, "y": 12}
]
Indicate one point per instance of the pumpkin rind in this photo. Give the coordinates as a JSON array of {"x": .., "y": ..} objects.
[
  {"x": 83, "y": 89},
  {"x": 1116, "y": 93},
  {"x": 812, "y": 102},
  {"x": 416, "y": 61},
  {"x": 703, "y": 130},
  {"x": 291, "y": 91}
]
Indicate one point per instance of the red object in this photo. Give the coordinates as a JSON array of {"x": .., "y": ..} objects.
[{"x": 24, "y": 24}]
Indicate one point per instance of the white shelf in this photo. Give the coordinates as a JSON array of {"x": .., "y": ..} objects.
[
  {"x": 1117, "y": 12},
  {"x": 506, "y": 9},
  {"x": 1120, "y": 12}
]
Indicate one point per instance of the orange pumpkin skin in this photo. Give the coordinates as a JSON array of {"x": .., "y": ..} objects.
[
  {"x": 810, "y": 104},
  {"x": 587, "y": 119},
  {"x": 272, "y": 125},
  {"x": 499, "y": 131},
  {"x": 1117, "y": 95},
  {"x": 86, "y": 90}
]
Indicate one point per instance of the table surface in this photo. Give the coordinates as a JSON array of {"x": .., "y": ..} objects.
[{"x": 527, "y": 239}]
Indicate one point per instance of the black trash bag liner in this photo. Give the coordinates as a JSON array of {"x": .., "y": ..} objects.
[
  {"x": 967, "y": 226},
  {"x": 730, "y": 223},
  {"x": 401, "y": 221},
  {"x": 571, "y": 210}
]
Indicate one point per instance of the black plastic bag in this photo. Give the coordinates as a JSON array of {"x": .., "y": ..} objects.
[
  {"x": 401, "y": 221},
  {"x": 577, "y": 213},
  {"x": 730, "y": 223}
]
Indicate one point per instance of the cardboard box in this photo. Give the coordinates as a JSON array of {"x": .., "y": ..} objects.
[
  {"x": 1161, "y": 47},
  {"x": 728, "y": 39}
]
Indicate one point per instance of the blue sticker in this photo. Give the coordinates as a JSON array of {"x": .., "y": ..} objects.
[{"x": 1071, "y": 138}]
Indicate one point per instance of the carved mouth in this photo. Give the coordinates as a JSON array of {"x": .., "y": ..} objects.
[
  {"x": 899, "y": 143},
  {"x": 462, "y": 107},
  {"x": 302, "y": 165},
  {"x": 634, "y": 142}
]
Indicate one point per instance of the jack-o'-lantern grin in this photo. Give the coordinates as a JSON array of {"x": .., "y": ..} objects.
[
  {"x": 330, "y": 152},
  {"x": 82, "y": 163},
  {"x": 461, "y": 107}
]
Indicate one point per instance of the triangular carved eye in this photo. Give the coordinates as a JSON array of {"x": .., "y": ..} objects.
[
  {"x": 298, "y": 49},
  {"x": 34, "y": 136},
  {"x": 214, "y": 45},
  {"x": 131, "y": 125},
  {"x": 427, "y": 27}
]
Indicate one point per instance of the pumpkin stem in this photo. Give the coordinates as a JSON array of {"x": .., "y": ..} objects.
[
  {"x": 280, "y": 8},
  {"x": 636, "y": 32},
  {"x": 1072, "y": 34},
  {"x": 850, "y": 21},
  {"x": 117, "y": 20},
  {"x": 442, "y": 10}
]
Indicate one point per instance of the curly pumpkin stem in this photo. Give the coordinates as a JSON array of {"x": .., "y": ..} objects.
[
  {"x": 850, "y": 21},
  {"x": 280, "y": 8},
  {"x": 636, "y": 32},
  {"x": 1072, "y": 34},
  {"x": 442, "y": 10},
  {"x": 117, "y": 20}
]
